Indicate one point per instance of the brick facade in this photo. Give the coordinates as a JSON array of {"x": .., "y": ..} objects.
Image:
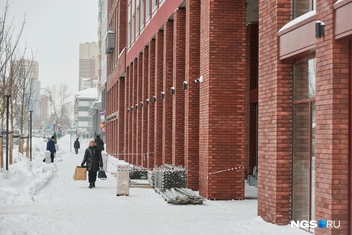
[
  {"x": 332, "y": 156},
  {"x": 144, "y": 108},
  {"x": 178, "y": 99},
  {"x": 274, "y": 116},
  {"x": 159, "y": 59},
  {"x": 222, "y": 99},
  {"x": 192, "y": 63},
  {"x": 167, "y": 101},
  {"x": 151, "y": 106},
  {"x": 244, "y": 108}
]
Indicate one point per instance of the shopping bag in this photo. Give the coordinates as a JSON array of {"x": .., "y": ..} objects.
[
  {"x": 80, "y": 173},
  {"x": 102, "y": 175}
]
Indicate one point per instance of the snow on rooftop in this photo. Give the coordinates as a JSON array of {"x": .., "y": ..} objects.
[{"x": 87, "y": 93}]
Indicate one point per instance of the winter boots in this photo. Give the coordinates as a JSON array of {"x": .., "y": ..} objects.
[{"x": 92, "y": 185}]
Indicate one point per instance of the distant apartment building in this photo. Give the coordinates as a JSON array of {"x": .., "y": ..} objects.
[
  {"x": 97, "y": 111},
  {"x": 88, "y": 53},
  {"x": 84, "y": 100},
  {"x": 30, "y": 70},
  {"x": 44, "y": 107}
]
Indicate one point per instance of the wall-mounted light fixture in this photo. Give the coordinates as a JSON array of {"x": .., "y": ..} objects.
[
  {"x": 184, "y": 85},
  {"x": 132, "y": 108},
  {"x": 128, "y": 109},
  {"x": 136, "y": 106},
  {"x": 147, "y": 101},
  {"x": 154, "y": 99},
  {"x": 319, "y": 29},
  {"x": 141, "y": 104},
  {"x": 172, "y": 90},
  {"x": 162, "y": 95},
  {"x": 200, "y": 79}
]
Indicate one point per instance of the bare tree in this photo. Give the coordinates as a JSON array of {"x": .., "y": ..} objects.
[
  {"x": 9, "y": 42},
  {"x": 21, "y": 87},
  {"x": 61, "y": 106}
]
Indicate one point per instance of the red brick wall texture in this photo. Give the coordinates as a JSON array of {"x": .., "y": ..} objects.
[{"x": 204, "y": 127}]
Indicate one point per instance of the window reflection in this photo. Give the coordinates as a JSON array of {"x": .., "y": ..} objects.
[
  {"x": 300, "y": 7},
  {"x": 304, "y": 124}
]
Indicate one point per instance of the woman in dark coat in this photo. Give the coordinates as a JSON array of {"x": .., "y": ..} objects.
[
  {"x": 76, "y": 145},
  {"x": 94, "y": 161}
]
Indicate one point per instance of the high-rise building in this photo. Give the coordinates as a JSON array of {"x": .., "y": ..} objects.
[
  {"x": 30, "y": 70},
  {"x": 88, "y": 53},
  {"x": 44, "y": 107}
]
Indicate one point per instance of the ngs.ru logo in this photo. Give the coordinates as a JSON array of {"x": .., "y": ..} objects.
[{"x": 315, "y": 224}]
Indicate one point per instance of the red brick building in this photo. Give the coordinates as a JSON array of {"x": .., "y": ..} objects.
[{"x": 274, "y": 92}]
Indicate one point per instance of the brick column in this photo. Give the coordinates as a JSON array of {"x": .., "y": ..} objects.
[
  {"x": 159, "y": 58},
  {"x": 115, "y": 131},
  {"x": 167, "y": 101},
  {"x": 222, "y": 103},
  {"x": 108, "y": 143},
  {"x": 139, "y": 109},
  {"x": 273, "y": 117},
  {"x": 178, "y": 99},
  {"x": 333, "y": 60},
  {"x": 135, "y": 112},
  {"x": 151, "y": 106},
  {"x": 192, "y": 60},
  {"x": 121, "y": 117},
  {"x": 130, "y": 153},
  {"x": 144, "y": 117},
  {"x": 127, "y": 114}
]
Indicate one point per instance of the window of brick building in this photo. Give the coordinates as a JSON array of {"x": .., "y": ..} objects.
[
  {"x": 142, "y": 13},
  {"x": 300, "y": 7},
  {"x": 154, "y": 5},
  {"x": 137, "y": 17},
  {"x": 147, "y": 10},
  {"x": 133, "y": 33},
  {"x": 129, "y": 24},
  {"x": 304, "y": 122}
]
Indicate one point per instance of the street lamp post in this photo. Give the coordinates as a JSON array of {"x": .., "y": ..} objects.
[
  {"x": 30, "y": 134},
  {"x": 7, "y": 131}
]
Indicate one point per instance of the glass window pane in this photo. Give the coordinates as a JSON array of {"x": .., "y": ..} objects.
[
  {"x": 147, "y": 9},
  {"x": 300, "y": 7},
  {"x": 305, "y": 80},
  {"x": 142, "y": 10},
  {"x": 301, "y": 161},
  {"x": 312, "y": 207}
]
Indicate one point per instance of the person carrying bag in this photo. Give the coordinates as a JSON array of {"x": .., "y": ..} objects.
[
  {"x": 80, "y": 173},
  {"x": 94, "y": 161}
]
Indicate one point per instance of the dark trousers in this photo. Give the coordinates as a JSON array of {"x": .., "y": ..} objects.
[
  {"x": 52, "y": 157},
  {"x": 92, "y": 175},
  {"x": 76, "y": 151}
]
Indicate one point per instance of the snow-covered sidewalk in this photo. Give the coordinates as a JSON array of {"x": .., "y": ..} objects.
[{"x": 39, "y": 198}]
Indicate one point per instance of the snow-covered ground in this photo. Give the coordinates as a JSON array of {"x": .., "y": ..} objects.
[{"x": 38, "y": 198}]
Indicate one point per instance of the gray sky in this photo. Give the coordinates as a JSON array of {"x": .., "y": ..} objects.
[{"x": 53, "y": 30}]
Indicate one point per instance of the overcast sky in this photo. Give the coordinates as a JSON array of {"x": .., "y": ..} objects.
[{"x": 53, "y": 30}]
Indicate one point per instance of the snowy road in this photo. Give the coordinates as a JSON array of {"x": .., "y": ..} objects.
[{"x": 42, "y": 199}]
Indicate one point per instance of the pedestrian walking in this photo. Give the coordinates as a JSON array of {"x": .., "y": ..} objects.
[
  {"x": 76, "y": 145},
  {"x": 92, "y": 158},
  {"x": 50, "y": 146},
  {"x": 100, "y": 143}
]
